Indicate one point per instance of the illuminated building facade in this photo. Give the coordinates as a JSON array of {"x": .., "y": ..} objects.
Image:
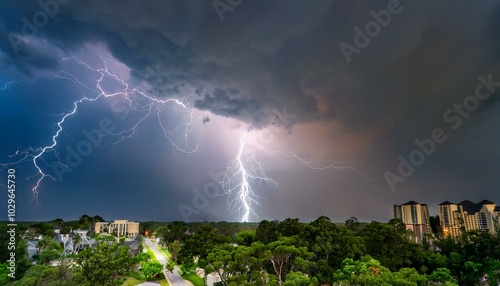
[
  {"x": 416, "y": 218},
  {"x": 466, "y": 215},
  {"x": 118, "y": 227}
]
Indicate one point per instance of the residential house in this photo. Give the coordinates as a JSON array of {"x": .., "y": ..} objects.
[
  {"x": 134, "y": 245},
  {"x": 32, "y": 247}
]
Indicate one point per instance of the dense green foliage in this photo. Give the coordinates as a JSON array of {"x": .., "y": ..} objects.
[
  {"x": 325, "y": 253},
  {"x": 151, "y": 268},
  {"x": 105, "y": 263},
  {"x": 286, "y": 252}
]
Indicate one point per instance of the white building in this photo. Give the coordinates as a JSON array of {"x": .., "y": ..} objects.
[
  {"x": 211, "y": 279},
  {"x": 119, "y": 227}
]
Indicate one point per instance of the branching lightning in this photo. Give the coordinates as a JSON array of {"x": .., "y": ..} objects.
[
  {"x": 340, "y": 166},
  {"x": 246, "y": 174},
  {"x": 242, "y": 178},
  {"x": 239, "y": 178},
  {"x": 137, "y": 101}
]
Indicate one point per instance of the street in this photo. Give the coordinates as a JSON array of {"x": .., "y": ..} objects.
[{"x": 174, "y": 278}]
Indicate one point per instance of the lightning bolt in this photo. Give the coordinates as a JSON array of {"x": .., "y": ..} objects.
[
  {"x": 239, "y": 178},
  {"x": 339, "y": 166},
  {"x": 246, "y": 174},
  {"x": 243, "y": 178},
  {"x": 134, "y": 97}
]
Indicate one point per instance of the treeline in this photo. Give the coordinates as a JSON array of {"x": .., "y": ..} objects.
[
  {"x": 223, "y": 227},
  {"x": 321, "y": 252},
  {"x": 286, "y": 252}
]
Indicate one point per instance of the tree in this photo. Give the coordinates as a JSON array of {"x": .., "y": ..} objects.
[
  {"x": 57, "y": 222},
  {"x": 200, "y": 243},
  {"x": 151, "y": 268},
  {"x": 174, "y": 231},
  {"x": 142, "y": 257},
  {"x": 493, "y": 271},
  {"x": 62, "y": 275},
  {"x": 98, "y": 218},
  {"x": 170, "y": 266},
  {"x": 85, "y": 221},
  {"x": 299, "y": 279},
  {"x": 441, "y": 275},
  {"x": 22, "y": 261},
  {"x": 409, "y": 275},
  {"x": 259, "y": 266},
  {"x": 267, "y": 231},
  {"x": 353, "y": 224},
  {"x": 366, "y": 271},
  {"x": 220, "y": 260},
  {"x": 331, "y": 244},
  {"x": 48, "y": 255},
  {"x": 389, "y": 243},
  {"x": 4, "y": 273},
  {"x": 473, "y": 271},
  {"x": 41, "y": 228},
  {"x": 245, "y": 237},
  {"x": 290, "y": 227},
  {"x": 284, "y": 255},
  {"x": 105, "y": 263},
  {"x": 233, "y": 264},
  {"x": 45, "y": 243},
  {"x": 436, "y": 260},
  {"x": 471, "y": 255},
  {"x": 435, "y": 225},
  {"x": 174, "y": 249}
]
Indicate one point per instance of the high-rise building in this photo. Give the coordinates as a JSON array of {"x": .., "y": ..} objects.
[
  {"x": 415, "y": 216},
  {"x": 466, "y": 216},
  {"x": 450, "y": 218}
]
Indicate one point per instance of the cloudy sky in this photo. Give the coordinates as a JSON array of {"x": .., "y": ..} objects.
[{"x": 167, "y": 110}]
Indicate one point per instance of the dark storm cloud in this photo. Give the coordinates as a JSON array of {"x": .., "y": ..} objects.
[
  {"x": 30, "y": 59},
  {"x": 292, "y": 59},
  {"x": 184, "y": 43},
  {"x": 268, "y": 55},
  {"x": 227, "y": 104}
]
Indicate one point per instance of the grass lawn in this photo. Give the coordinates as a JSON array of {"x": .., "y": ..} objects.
[
  {"x": 134, "y": 278},
  {"x": 164, "y": 282},
  {"x": 165, "y": 250},
  {"x": 197, "y": 280},
  {"x": 150, "y": 252}
]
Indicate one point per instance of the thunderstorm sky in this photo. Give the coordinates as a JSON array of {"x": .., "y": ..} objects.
[{"x": 325, "y": 106}]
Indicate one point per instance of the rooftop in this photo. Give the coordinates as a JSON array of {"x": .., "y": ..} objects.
[
  {"x": 446, "y": 203},
  {"x": 411, "y": 203}
]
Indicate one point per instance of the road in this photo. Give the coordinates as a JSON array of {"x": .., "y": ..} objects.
[
  {"x": 174, "y": 278},
  {"x": 157, "y": 253}
]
